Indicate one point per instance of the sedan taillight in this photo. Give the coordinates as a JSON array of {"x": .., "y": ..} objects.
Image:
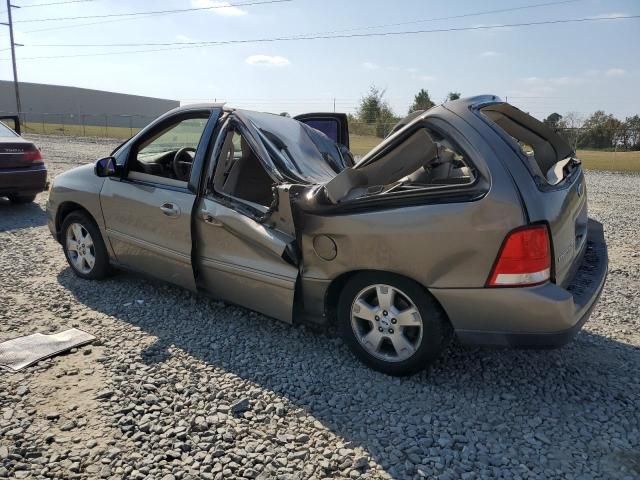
[
  {"x": 524, "y": 258},
  {"x": 33, "y": 155}
]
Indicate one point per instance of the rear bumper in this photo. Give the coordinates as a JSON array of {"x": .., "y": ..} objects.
[
  {"x": 23, "y": 180},
  {"x": 544, "y": 316}
]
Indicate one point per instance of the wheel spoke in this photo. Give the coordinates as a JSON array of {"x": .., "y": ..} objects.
[
  {"x": 77, "y": 232},
  {"x": 90, "y": 259},
  {"x": 402, "y": 346},
  {"x": 72, "y": 247},
  {"x": 386, "y": 296},
  {"x": 88, "y": 241},
  {"x": 373, "y": 339},
  {"x": 362, "y": 309},
  {"x": 409, "y": 317},
  {"x": 78, "y": 261}
]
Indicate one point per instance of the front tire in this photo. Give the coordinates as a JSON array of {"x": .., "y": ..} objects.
[
  {"x": 18, "y": 199},
  {"x": 84, "y": 247},
  {"x": 391, "y": 323}
]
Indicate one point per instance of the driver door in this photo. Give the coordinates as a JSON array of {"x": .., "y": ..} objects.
[{"x": 147, "y": 212}]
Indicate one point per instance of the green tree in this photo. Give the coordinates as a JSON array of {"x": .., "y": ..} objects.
[
  {"x": 631, "y": 128},
  {"x": 421, "y": 101},
  {"x": 370, "y": 105},
  {"x": 386, "y": 121},
  {"x": 601, "y": 130},
  {"x": 375, "y": 111},
  {"x": 453, "y": 96},
  {"x": 570, "y": 127},
  {"x": 552, "y": 120}
]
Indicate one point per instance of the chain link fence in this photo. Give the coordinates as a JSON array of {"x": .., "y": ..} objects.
[{"x": 83, "y": 125}]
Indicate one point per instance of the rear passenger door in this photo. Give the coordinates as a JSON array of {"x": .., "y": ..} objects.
[{"x": 240, "y": 257}]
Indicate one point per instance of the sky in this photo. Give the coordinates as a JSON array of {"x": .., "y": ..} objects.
[{"x": 563, "y": 67}]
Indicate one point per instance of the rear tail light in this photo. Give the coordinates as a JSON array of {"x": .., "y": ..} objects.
[
  {"x": 524, "y": 258},
  {"x": 32, "y": 156}
]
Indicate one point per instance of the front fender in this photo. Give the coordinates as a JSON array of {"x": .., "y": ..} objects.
[{"x": 76, "y": 188}]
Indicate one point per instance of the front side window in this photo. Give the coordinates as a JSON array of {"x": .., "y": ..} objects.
[{"x": 167, "y": 155}]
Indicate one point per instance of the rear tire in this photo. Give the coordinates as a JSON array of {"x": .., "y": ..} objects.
[
  {"x": 391, "y": 323},
  {"x": 84, "y": 247},
  {"x": 18, "y": 199}
]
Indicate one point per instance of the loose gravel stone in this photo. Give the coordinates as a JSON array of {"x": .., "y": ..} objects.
[{"x": 184, "y": 387}]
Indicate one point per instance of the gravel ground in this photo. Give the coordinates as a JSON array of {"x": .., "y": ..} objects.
[{"x": 179, "y": 386}]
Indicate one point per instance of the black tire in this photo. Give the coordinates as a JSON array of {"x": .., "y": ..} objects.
[
  {"x": 101, "y": 267},
  {"x": 17, "y": 198},
  {"x": 436, "y": 329}
]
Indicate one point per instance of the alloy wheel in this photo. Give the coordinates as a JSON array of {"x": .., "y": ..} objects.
[
  {"x": 80, "y": 248},
  {"x": 386, "y": 323}
]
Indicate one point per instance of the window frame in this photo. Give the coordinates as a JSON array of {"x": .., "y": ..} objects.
[
  {"x": 163, "y": 125},
  {"x": 250, "y": 209}
]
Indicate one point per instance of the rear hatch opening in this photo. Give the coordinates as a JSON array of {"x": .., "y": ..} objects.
[
  {"x": 547, "y": 155},
  {"x": 559, "y": 196}
]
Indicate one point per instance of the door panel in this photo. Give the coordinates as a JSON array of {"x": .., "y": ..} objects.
[
  {"x": 333, "y": 125},
  {"x": 243, "y": 262},
  {"x": 149, "y": 227}
]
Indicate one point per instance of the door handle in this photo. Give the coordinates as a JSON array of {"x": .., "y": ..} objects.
[
  {"x": 209, "y": 219},
  {"x": 170, "y": 209}
]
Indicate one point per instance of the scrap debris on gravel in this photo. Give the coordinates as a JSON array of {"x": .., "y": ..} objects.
[{"x": 179, "y": 386}]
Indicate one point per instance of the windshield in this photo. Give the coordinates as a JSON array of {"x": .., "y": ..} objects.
[{"x": 300, "y": 150}]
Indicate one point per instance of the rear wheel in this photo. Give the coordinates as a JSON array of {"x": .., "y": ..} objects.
[
  {"x": 83, "y": 246},
  {"x": 391, "y": 323},
  {"x": 22, "y": 198}
]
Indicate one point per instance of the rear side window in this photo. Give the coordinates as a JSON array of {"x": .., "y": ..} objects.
[{"x": 548, "y": 156}]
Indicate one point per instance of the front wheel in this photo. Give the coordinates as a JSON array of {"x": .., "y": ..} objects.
[
  {"x": 391, "y": 323},
  {"x": 83, "y": 246}
]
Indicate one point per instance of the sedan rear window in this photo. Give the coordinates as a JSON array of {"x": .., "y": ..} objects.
[{"x": 6, "y": 132}]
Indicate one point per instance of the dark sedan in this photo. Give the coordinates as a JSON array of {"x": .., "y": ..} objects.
[{"x": 22, "y": 171}]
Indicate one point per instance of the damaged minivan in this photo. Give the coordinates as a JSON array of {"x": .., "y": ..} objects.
[{"x": 470, "y": 219}]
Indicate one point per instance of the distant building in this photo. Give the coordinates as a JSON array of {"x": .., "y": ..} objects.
[{"x": 81, "y": 106}]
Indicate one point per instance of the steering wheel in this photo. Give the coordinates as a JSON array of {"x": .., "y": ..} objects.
[{"x": 182, "y": 162}]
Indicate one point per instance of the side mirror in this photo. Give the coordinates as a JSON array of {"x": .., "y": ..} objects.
[{"x": 106, "y": 167}]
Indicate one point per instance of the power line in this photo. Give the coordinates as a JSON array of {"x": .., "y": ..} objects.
[
  {"x": 369, "y": 27},
  {"x": 100, "y": 22},
  {"x": 54, "y": 3},
  {"x": 154, "y": 12},
  {"x": 453, "y": 17},
  {"x": 185, "y": 45}
]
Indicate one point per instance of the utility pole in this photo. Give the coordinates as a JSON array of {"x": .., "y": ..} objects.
[{"x": 13, "y": 57}]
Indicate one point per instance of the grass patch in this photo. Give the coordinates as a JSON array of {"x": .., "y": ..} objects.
[
  {"x": 611, "y": 161},
  {"x": 361, "y": 144}
]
